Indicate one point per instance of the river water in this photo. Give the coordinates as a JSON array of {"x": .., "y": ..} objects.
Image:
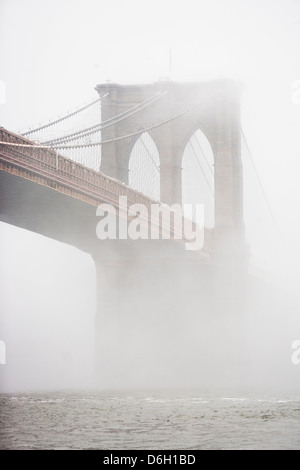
[{"x": 153, "y": 420}]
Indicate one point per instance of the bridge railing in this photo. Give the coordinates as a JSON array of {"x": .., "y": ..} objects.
[
  {"x": 32, "y": 156},
  {"x": 45, "y": 166}
]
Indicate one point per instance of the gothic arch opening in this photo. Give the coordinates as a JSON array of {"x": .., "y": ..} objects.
[
  {"x": 198, "y": 176},
  {"x": 144, "y": 171}
]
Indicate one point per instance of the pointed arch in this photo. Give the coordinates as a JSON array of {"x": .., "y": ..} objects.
[
  {"x": 143, "y": 166},
  {"x": 198, "y": 176}
]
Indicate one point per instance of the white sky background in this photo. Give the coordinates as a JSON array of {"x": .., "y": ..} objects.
[{"x": 53, "y": 53}]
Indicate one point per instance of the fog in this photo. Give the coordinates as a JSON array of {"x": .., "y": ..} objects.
[{"x": 53, "y": 57}]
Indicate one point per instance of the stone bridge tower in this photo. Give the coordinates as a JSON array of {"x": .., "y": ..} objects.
[
  {"x": 214, "y": 108},
  {"x": 155, "y": 286}
]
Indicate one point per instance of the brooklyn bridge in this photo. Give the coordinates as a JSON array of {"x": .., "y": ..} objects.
[{"x": 166, "y": 143}]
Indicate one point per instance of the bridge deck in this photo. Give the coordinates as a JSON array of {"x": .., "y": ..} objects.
[{"x": 44, "y": 166}]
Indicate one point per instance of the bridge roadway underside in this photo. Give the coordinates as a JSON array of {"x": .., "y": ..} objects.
[
  {"x": 64, "y": 218},
  {"x": 143, "y": 283},
  {"x": 43, "y": 210}
]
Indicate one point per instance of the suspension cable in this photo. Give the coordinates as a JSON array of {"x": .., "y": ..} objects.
[
  {"x": 203, "y": 154},
  {"x": 31, "y": 131},
  {"x": 108, "y": 123},
  {"x": 147, "y": 150},
  {"x": 201, "y": 168},
  {"x": 141, "y": 131},
  {"x": 259, "y": 180},
  {"x": 116, "y": 139}
]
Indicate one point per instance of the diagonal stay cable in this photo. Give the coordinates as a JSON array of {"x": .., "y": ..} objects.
[
  {"x": 147, "y": 150},
  {"x": 203, "y": 154},
  {"x": 201, "y": 168},
  {"x": 259, "y": 180}
]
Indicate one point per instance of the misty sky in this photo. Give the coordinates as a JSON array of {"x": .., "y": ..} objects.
[{"x": 52, "y": 55}]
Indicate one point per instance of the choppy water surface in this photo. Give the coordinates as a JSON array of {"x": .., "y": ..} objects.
[{"x": 154, "y": 420}]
